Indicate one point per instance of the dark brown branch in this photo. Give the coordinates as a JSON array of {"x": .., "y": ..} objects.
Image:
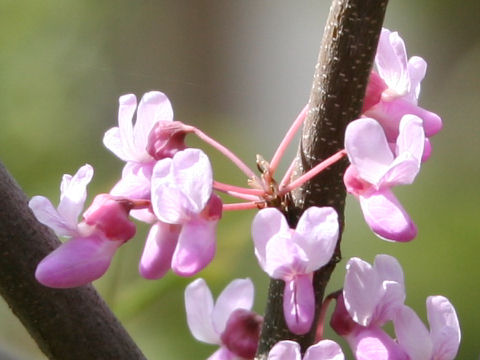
[
  {"x": 341, "y": 75},
  {"x": 66, "y": 324}
]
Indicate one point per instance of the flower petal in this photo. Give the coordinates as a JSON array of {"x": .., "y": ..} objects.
[
  {"x": 368, "y": 149},
  {"x": 444, "y": 327},
  {"x": 374, "y": 343},
  {"x": 299, "y": 304},
  {"x": 223, "y": 354},
  {"x": 126, "y": 109},
  {"x": 362, "y": 291},
  {"x": 154, "y": 107},
  {"x": 238, "y": 294},
  {"x": 158, "y": 252},
  {"x": 46, "y": 213},
  {"x": 417, "y": 67},
  {"x": 386, "y": 217},
  {"x": 412, "y": 335},
  {"x": 324, "y": 350},
  {"x": 285, "y": 350},
  {"x": 199, "y": 308},
  {"x": 74, "y": 193},
  {"x": 76, "y": 262},
  {"x": 284, "y": 258},
  {"x": 267, "y": 223},
  {"x": 196, "y": 247},
  {"x": 317, "y": 234}
]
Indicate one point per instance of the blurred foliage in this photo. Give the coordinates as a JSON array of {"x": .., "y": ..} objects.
[{"x": 240, "y": 71}]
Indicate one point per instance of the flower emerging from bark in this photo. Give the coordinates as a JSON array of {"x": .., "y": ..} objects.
[{"x": 293, "y": 255}]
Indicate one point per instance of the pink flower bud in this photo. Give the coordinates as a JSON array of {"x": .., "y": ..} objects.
[
  {"x": 242, "y": 333},
  {"x": 111, "y": 217},
  {"x": 166, "y": 139}
]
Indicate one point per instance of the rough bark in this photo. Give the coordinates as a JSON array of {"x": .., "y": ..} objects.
[
  {"x": 66, "y": 324},
  {"x": 345, "y": 60}
]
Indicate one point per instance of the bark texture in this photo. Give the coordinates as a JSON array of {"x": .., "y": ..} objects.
[
  {"x": 341, "y": 75},
  {"x": 66, "y": 324}
]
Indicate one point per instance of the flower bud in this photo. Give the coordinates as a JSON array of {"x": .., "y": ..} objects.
[{"x": 165, "y": 139}]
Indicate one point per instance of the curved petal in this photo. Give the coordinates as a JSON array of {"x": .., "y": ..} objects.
[
  {"x": 324, "y": 350},
  {"x": 417, "y": 67},
  {"x": 113, "y": 142},
  {"x": 444, "y": 327},
  {"x": 299, "y": 304},
  {"x": 374, "y": 343},
  {"x": 362, "y": 291},
  {"x": 368, "y": 149},
  {"x": 76, "y": 262},
  {"x": 386, "y": 217},
  {"x": 154, "y": 107},
  {"x": 135, "y": 182},
  {"x": 284, "y": 259},
  {"x": 223, "y": 354},
  {"x": 158, "y": 252},
  {"x": 285, "y": 350},
  {"x": 388, "y": 268},
  {"x": 196, "y": 247},
  {"x": 238, "y": 294},
  {"x": 46, "y": 213},
  {"x": 126, "y": 109},
  {"x": 391, "y": 61},
  {"x": 192, "y": 173},
  {"x": 267, "y": 223},
  {"x": 74, "y": 193},
  {"x": 199, "y": 308},
  {"x": 317, "y": 234},
  {"x": 412, "y": 335}
]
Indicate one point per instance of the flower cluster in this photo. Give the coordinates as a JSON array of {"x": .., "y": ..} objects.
[{"x": 171, "y": 188}]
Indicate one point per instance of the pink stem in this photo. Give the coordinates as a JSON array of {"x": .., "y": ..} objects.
[
  {"x": 312, "y": 172},
  {"x": 287, "y": 140},
  {"x": 323, "y": 313},
  {"x": 240, "y": 206},
  {"x": 235, "y": 159},
  {"x": 287, "y": 176},
  {"x": 227, "y": 187}
]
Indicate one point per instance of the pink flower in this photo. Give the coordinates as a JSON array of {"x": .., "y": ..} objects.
[
  {"x": 131, "y": 142},
  {"x": 375, "y": 295},
  {"x": 393, "y": 91},
  {"x": 290, "y": 350},
  {"x": 188, "y": 213},
  {"x": 292, "y": 256},
  {"x": 92, "y": 243},
  {"x": 375, "y": 168},
  {"x": 228, "y": 322}
]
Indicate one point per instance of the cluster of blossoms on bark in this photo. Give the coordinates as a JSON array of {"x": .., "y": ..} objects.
[{"x": 171, "y": 188}]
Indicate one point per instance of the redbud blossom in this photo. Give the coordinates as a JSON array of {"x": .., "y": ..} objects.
[
  {"x": 293, "y": 255},
  {"x": 86, "y": 256},
  {"x": 375, "y": 169},
  {"x": 182, "y": 196},
  {"x": 393, "y": 91},
  {"x": 228, "y": 322}
]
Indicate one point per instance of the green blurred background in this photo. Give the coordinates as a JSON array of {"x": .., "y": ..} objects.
[{"x": 240, "y": 70}]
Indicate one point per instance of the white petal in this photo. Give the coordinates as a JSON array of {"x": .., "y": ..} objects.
[
  {"x": 199, "y": 308},
  {"x": 238, "y": 294},
  {"x": 126, "y": 109},
  {"x": 46, "y": 213}
]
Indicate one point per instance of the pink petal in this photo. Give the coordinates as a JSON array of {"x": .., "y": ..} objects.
[
  {"x": 444, "y": 327},
  {"x": 126, "y": 109},
  {"x": 362, "y": 291},
  {"x": 374, "y": 343},
  {"x": 417, "y": 67},
  {"x": 368, "y": 149},
  {"x": 299, "y": 304},
  {"x": 391, "y": 61},
  {"x": 199, "y": 308},
  {"x": 267, "y": 223},
  {"x": 196, "y": 247},
  {"x": 412, "y": 335},
  {"x": 317, "y": 234},
  {"x": 386, "y": 217},
  {"x": 285, "y": 350},
  {"x": 158, "y": 252},
  {"x": 113, "y": 142},
  {"x": 238, "y": 294},
  {"x": 324, "y": 350},
  {"x": 74, "y": 193},
  {"x": 45, "y": 212},
  {"x": 284, "y": 258},
  {"x": 135, "y": 182},
  {"x": 76, "y": 262},
  {"x": 154, "y": 107}
]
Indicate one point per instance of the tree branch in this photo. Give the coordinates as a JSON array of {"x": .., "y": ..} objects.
[
  {"x": 346, "y": 56},
  {"x": 66, "y": 324}
]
